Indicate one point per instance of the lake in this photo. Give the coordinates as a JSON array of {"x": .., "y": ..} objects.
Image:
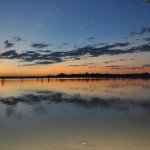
[{"x": 75, "y": 114}]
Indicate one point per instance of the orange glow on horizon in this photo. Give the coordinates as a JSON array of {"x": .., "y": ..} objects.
[
  {"x": 12, "y": 68},
  {"x": 58, "y": 70}
]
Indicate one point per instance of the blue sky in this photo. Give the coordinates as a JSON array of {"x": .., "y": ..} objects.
[{"x": 65, "y": 25}]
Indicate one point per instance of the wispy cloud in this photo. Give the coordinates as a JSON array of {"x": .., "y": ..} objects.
[
  {"x": 17, "y": 39},
  {"x": 49, "y": 57},
  {"x": 86, "y": 65},
  {"x": 8, "y": 44},
  {"x": 146, "y": 65},
  {"x": 112, "y": 61},
  {"x": 90, "y": 38},
  {"x": 141, "y": 32},
  {"x": 146, "y": 1},
  {"x": 147, "y": 39},
  {"x": 45, "y": 51},
  {"x": 64, "y": 44},
  {"x": 119, "y": 67},
  {"x": 99, "y": 44},
  {"x": 39, "y": 45}
]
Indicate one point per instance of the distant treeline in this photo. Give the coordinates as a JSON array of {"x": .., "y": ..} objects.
[
  {"x": 98, "y": 75},
  {"x": 86, "y": 75}
]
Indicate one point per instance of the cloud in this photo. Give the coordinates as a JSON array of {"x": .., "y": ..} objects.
[
  {"x": 142, "y": 31},
  {"x": 146, "y": 65},
  {"x": 9, "y": 54},
  {"x": 17, "y": 39},
  {"x": 99, "y": 44},
  {"x": 48, "y": 57},
  {"x": 112, "y": 61},
  {"x": 118, "y": 67},
  {"x": 31, "y": 52},
  {"x": 134, "y": 68},
  {"x": 86, "y": 64},
  {"x": 64, "y": 44},
  {"x": 147, "y": 39},
  {"x": 26, "y": 65},
  {"x": 49, "y": 62},
  {"x": 146, "y": 1},
  {"x": 74, "y": 65},
  {"x": 31, "y": 56},
  {"x": 45, "y": 51},
  {"x": 39, "y": 45},
  {"x": 115, "y": 67},
  {"x": 90, "y": 38},
  {"x": 75, "y": 46},
  {"x": 121, "y": 44},
  {"x": 8, "y": 44}
]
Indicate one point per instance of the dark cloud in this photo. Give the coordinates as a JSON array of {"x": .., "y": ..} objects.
[
  {"x": 141, "y": 32},
  {"x": 90, "y": 38},
  {"x": 75, "y": 46},
  {"x": 122, "y": 60},
  {"x": 31, "y": 52},
  {"x": 99, "y": 44},
  {"x": 45, "y": 51},
  {"x": 17, "y": 39},
  {"x": 84, "y": 65},
  {"x": 146, "y": 65},
  {"x": 115, "y": 45},
  {"x": 9, "y": 54},
  {"x": 64, "y": 44},
  {"x": 146, "y": 1},
  {"x": 147, "y": 39},
  {"x": 76, "y": 58},
  {"x": 26, "y": 65},
  {"x": 8, "y": 44},
  {"x": 119, "y": 67},
  {"x": 39, "y": 45},
  {"x": 31, "y": 56},
  {"x": 74, "y": 65},
  {"x": 49, "y": 62},
  {"x": 134, "y": 68},
  {"x": 115, "y": 67},
  {"x": 121, "y": 44},
  {"x": 112, "y": 61},
  {"x": 77, "y": 54}
]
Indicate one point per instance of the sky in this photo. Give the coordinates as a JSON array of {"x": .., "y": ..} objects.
[{"x": 42, "y": 37}]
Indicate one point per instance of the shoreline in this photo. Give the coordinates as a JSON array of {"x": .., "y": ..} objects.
[{"x": 83, "y": 76}]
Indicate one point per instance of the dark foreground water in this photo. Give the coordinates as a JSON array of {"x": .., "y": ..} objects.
[{"x": 75, "y": 115}]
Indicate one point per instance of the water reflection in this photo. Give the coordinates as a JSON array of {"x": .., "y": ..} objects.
[
  {"x": 121, "y": 95},
  {"x": 75, "y": 114},
  {"x": 122, "y": 89},
  {"x": 39, "y": 96}
]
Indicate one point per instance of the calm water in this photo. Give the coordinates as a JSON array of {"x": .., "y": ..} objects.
[{"x": 75, "y": 115}]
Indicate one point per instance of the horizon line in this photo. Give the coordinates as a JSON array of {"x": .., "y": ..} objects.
[{"x": 76, "y": 75}]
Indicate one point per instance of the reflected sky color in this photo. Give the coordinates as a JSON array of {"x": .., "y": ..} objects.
[
  {"x": 88, "y": 88},
  {"x": 75, "y": 114},
  {"x": 74, "y": 36}
]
